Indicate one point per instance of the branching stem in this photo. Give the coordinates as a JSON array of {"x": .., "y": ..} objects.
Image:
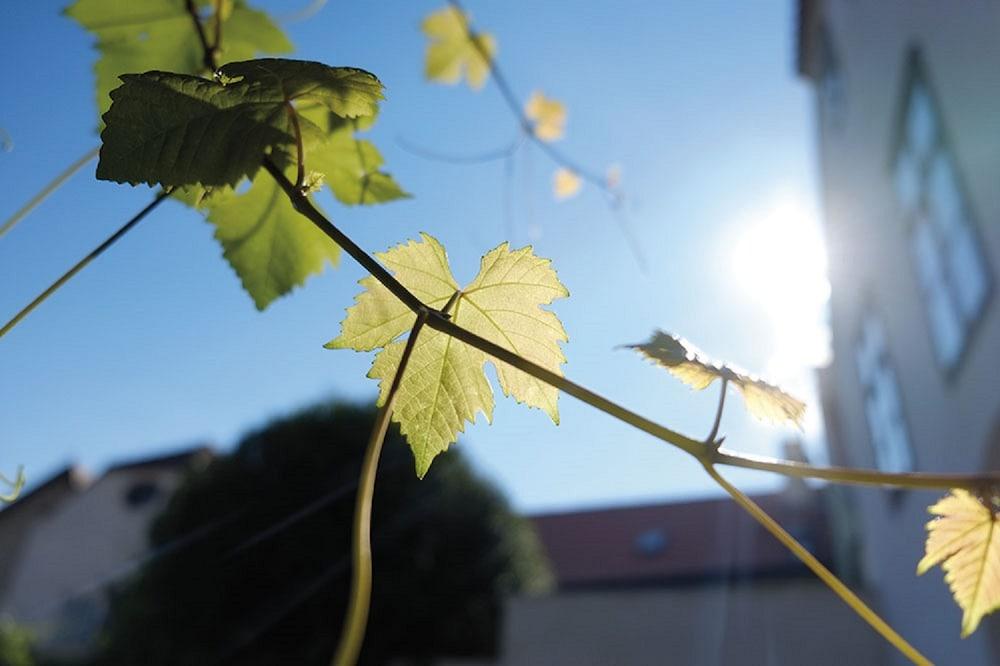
[
  {"x": 691, "y": 446},
  {"x": 556, "y": 155},
  {"x": 515, "y": 106},
  {"x": 824, "y": 574},
  {"x": 353, "y": 633},
  {"x": 80, "y": 265}
]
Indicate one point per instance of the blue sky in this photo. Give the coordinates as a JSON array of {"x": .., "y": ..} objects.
[{"x": 155, "y": 346}]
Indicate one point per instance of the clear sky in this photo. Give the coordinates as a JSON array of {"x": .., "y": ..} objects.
[{"x": 155, "y": 346}]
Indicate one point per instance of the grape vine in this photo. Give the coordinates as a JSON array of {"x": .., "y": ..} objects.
[{"x": 188, "y": 107}]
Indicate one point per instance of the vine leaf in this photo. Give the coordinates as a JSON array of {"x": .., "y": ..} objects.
[
  {"x": 178, "y": 130},
  {"x": 351, "y": 166},
  {"x": 964, "y": 539},
  {"x": 565, "y": 183},
  {"x": 272, "y": 248},
  {"x": 455, "y": 50},
  {"x": 445, "y": 385},
  {"x": 548, "y": 116},
  {"x": 688, "y": 364},
  {"x": 145, "y": 35}
]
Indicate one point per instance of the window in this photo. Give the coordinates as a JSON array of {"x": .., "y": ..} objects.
[
  {"x": 652, "y": 542},
  {"x": 883, "y": 404},
  {"x": 141, "y": 493},
  {"x": 954, "y": 278}
]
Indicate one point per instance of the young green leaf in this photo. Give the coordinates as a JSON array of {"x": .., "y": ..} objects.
[
  {"x": 565, "y": 183},
  {"x": 271, "y": 247},
  {"x": 179, "y": 130},
  {"x": 351, "y": 166},
  {"x": 147, "y": 35},
  {"x": 444, "y": 385},
  {"x": 454, "y": 49},
  {"x": 684, "y": 361},
  {"x": 548, "y": 116},
  {"x": 965, "y": 539}
]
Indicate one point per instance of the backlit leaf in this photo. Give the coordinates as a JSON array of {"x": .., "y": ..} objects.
[
  {"x": 351, "y": 166},
  {"x": 565, "y": 183},
  {"x": 684, "y": 361},
  {"x": 147, "y": 35},
  {"x": 454, "y": 50},
  {"x": 271, "y": 247},
  {"x": 964, "y": 539},
  {"x": 178, "y": 130},
  {"x": 444, "y": 385},
  {"x": 548, "y": 116}
]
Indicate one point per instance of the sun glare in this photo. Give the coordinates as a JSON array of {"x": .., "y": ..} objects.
[{"x": 779, "y": 261}]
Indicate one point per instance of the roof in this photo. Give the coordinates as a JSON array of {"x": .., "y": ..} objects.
[
  {"x": 66, "y": 481},
  {"x": 661, "y": 544},
  {"x": 74, "y": 478},
  {"x": 191, "y": 456}
]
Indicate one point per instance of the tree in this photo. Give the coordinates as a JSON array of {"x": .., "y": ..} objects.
[{"x": 265, "y": 575}]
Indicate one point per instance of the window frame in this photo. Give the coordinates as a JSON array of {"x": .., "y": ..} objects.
[
  {"x": 921, "y": 214},
  {"x": 886, "y": 363}
]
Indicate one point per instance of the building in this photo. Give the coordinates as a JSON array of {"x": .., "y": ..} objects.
[
  {"x": 908, "y": 130},
  {"x": 64, "y": 543},
  {"x": 697, "y": 582}
]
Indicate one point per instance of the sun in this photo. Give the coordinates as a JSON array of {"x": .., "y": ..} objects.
[{"x": 779, "y": 261}]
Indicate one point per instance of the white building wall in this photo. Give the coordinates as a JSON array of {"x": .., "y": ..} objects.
[
  {"x": 950, "y": 417},
  {"x": 69, "y": 556}
]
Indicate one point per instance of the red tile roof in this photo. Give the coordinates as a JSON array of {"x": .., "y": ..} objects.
[{"x": 677, "y": 543}]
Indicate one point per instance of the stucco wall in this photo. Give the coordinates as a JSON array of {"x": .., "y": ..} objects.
[
  {"x": 949, "y": 416},
  {"x": 777, "y": 622},
  {"x": 70, "y": 555}
]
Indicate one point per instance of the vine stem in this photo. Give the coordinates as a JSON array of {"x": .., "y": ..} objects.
[
  {"x": 691, "y": 446},
  {"x": 353, "y": 633},
  {"x": 209, "y": 51},
  {"x": 80, "y": 265},
  {"x": 515, "y": 106},
  {"x": 557, "y": 156},
  {"x": 824, "y": 574},
  {"x": 480, "y": 158},
  {"x": 54, "y": 185}
]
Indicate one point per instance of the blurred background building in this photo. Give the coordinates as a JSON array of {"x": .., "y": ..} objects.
[
  {"x": 64, "y": 544},
  {"x": 908, "y": 137},
  {"x": 696, "y": 582}
]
